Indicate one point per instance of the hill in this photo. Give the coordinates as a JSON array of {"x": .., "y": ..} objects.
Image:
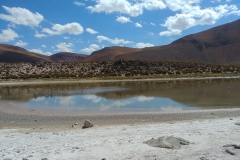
[
  {"x": 9, "y": 53},
  {"x": 110, "y": 53},
  {"x": 67, "y": 57},
  {"x": 216, "y": 45}
]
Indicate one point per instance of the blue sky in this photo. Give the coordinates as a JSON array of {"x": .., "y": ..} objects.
[{"x": 52, "y": 26}]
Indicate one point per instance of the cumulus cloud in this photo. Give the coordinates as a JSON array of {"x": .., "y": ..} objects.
[
  {"x": 125, "y": 7},
  {"x": 70, "y": 28},
  {"x": 91, "y": 31},
  {"x": 39, "y": 35},
  {"x": 79, "y": 3},
  {"x": 43, "y": 46},
  {"x": 138, "y": 25},
  {"x": 113, "y": 41},
  {"x": 8, "y": 35},
  {"x": 64, "y": 47},
  {"x": 40, "y": 52},
  {"x": 91, "y": 48},
  {"x": 143, "y": 45},
  {"x": 123, "y": 19},
  {"x": 20, "y": 43},
  {"x": 191, "y": 14},
  {"x": 21, "y": 16}
]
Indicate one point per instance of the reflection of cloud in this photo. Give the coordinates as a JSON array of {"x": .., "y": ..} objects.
[
  {"x": 93, "y": 98},
  {"x": 39, "y": 99},
  {"x": 67, "y": 101},
  {"x": 143, "y": 98},
  {"x": 115, "y": 104}
]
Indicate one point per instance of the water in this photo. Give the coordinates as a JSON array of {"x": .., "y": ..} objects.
[{"x": 136, "y": 96}]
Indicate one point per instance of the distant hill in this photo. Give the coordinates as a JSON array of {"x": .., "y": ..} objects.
[
  {"x": 9, "y": 53},
  {"x": 67, "y": 57},
  {"x": 110, "y": 53},
  {"x": 216, "y": 45}
]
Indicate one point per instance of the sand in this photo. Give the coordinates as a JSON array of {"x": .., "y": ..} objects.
[{"x": 117, "y": 136}]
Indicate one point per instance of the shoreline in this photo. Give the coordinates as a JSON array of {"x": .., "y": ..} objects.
[
  {"x": 64, "y": 81},
  {"x": 11, "y": 117}
]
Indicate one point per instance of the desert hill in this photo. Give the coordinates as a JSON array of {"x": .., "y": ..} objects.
[
  {"x": 216, "y": 45},
  {"x": 67, "y": 57},
  {"x": 9, "y": 53},
  {"x": 110, "y": 53}
]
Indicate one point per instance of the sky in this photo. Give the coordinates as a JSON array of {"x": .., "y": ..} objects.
[{"x": 51, "y": 26}]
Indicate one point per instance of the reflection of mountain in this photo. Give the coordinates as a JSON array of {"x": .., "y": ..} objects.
[
  {"x": 202, "y": 93},
  {"x": 192, "y": 92}
]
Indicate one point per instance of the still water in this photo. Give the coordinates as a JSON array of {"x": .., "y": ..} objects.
[{"x": 123, "y": 96}]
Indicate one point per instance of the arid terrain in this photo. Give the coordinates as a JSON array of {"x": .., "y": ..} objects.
[{"x": 118, "y": 68}]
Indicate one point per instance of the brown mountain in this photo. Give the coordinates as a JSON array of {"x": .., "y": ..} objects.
[
  {"x": 9, "y": 53},
  {"x": 110, "y": 53},
  {"x": 216, "y": 45},
  {"x": 67, "y": 57}
]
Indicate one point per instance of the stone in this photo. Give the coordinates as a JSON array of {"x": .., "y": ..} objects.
[
  {"x": 237, "y": 123},
  {"x": 230, "y": 145},
  {"x": 87, "y": 124},
  {"x": 167, "y": 142},
  {"x": 237, "y": 147},
  {"x": 44, "y": 159},
  {"x": 230, "y": 151}
]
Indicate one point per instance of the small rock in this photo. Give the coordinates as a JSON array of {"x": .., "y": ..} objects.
[
  {"x": 237, "y": 147},
  {"x": 104, "y": 159},
  {"x": 229, "y": 151},
  {"x": 237, "y": 123},
  {"x": 24, "y": 159},
  {"x": 87, "y": 124},
  {"x": 230, "y": 145},
  {"x": 203, "y": 158},
  {"x": 76, "y": 124},
  {"x": 44, "y": 159}
]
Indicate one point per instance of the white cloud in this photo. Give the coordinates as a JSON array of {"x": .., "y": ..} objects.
[
  {"x": 64, "y": 47},
  {"x": 91, "y": 31},
  {"x": 70, "y": 28},
  {"x": 143, "y": 45},
  {"x": 40, "y": 52},
  {"x": 138, "y": 25},
  {"x": 39, "y": 35},
  {"x": 153, "y": 24},
  {"x": 79, "y": 3},
  {"x": 113, "y": 41},
  {"x": 43, "y": 46},
  {"x": 8, "y": 35},
  {"x": 21, "y": 16},
  {"x": 192, "y": 15},
  {"x": 21, "y": 43},
  {"x": 91, "y": 48},
  {"x": 123, "y": 19},
  {"x": 125, "y": 7}
]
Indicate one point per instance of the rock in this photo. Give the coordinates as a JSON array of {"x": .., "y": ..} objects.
[
  {"x": 44, "y": 159},
  {"x": 230, "y": 151},
  {"x": 104, "y": 159},
  {"x": 203, "y": 158},
  {"x": 230, "y": 145},
  {"x": 167, "y": 142},
  {"x": 87, "y": 124},
  {"x": 24, "y": 159},
  {"x": 237, "y": 147},
  {"x": 237, "y": 123}
]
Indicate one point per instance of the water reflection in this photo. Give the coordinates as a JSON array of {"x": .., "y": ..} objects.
[{"x": 127, "y": 96}]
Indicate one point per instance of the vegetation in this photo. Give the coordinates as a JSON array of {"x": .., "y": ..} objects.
[{"x": 117, "y": 69}]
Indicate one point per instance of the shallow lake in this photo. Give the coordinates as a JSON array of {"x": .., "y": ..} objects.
[{"x": 136, "y": 96}]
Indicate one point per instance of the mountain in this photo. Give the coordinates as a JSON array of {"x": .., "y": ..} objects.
[
  {"x": 110, "y": 53},
  {"x": 67, "y": 57},
  {"x": 217, "y": 45},
  {"x": 9, "y": 53}
]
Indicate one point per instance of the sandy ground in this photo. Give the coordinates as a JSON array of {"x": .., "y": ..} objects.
[
  {"x": 42, "y": 82},
  {"x": 207, "y": 138}
]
